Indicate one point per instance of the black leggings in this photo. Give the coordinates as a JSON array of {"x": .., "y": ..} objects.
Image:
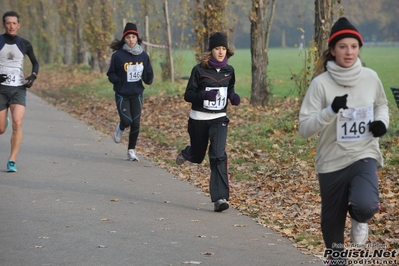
[
  {"x": 129, "y": 110},
  {"x": 353, "y": 189}
]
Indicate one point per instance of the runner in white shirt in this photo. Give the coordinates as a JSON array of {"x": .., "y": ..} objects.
[
  {"x": 347, "y": 105},
  {"x": 12, "y": 82}
]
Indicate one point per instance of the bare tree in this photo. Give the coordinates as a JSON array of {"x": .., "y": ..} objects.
[
  {"x": 259, "y": 47},
  {"x": 324, "y": 19},
  {"x": 209, "y": 17},
  {"x": 322, "y": 24},
  {"x": 71, "y": 29},
  {"x": 170, "y": 56},
  {"x": 98, "y": 32}
]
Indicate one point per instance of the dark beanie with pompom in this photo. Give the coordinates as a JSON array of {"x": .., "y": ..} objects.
[{"x": 343, "y": 29}]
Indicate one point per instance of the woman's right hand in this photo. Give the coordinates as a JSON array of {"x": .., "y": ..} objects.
[
  {"x": 339, "y": 102},
  {"x": 210, "y": 95}
]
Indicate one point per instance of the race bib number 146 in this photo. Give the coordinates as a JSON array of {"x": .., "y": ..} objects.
[{"x": 134, "y": 72}]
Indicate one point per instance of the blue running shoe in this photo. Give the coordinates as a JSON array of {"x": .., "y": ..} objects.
[
  {"x": 7, "y": 121},
  {"x": 11, "y": 166}
]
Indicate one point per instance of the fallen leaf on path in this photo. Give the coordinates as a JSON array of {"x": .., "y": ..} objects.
[{"x": 240, "y": 225}]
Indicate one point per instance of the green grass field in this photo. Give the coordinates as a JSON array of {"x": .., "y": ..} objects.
[{"x": 384, "y": 60}]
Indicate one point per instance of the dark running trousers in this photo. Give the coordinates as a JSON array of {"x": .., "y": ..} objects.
[
  {"x": 215, "y": 131},
  {"x": 353, "y": 189},
  {"x": 129, "y": 110}
]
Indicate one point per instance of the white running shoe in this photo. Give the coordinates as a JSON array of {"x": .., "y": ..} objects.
[
  {"x": 118, "y": 134},
  {"x": 131, "y": 155},
  {"x": 359, "y": 232}
]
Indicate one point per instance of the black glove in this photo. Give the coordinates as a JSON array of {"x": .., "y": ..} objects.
[
  {"x": 339, "y": 102},
  {"x": 30, "y": 80},
  {"x": 210, "y": 95},
  {"x": 378, "y": 128},
  {"x": 150, "y": 77},
  {"x": 3, "y": 77},
  {"x": 235, "y": 99}
]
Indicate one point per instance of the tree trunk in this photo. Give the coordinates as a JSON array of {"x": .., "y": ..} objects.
[
  {"x": 95, "y": 62},
  {"x": 323, "y": 22},
  {"x": 147, "y": 35},
  {"x": 283, "y": 39},
  {"x": 259, "y": 45},
  {"x": 68, "y": 49},
  {"x": 269, "y": 26},
  {"x": 170, "y": 56},
  {"x": 81, "y": 51}
]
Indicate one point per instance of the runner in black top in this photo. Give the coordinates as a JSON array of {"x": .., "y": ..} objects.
[
  {"x": 12, "y": 81},
  {"x": 210, "y": 86}
]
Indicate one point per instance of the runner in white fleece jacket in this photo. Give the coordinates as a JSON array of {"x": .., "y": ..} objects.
[{"x": 347, "y": 104}]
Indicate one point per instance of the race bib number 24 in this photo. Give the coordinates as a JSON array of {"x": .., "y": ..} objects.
[{"x": 12, "y": 76}]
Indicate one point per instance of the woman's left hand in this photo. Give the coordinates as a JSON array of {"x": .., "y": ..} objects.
[{"x": 235, "y": 99}]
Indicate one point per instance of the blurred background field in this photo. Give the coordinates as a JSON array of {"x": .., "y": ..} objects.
[{"x": 384, "y": 60}]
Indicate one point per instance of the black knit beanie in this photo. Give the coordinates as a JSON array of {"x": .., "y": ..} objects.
[
  {"x": 130, "y": 28},
  {"x": 217, "y": 39},
  {"x": 343, "y": 29}
]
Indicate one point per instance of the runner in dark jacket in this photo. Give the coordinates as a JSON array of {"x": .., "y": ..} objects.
[
  {"x": 210, "y": 86},
  {"x": 130, "y": 66}
]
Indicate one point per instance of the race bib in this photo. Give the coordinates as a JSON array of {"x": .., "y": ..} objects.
[
  {"x": 134, "y": 72},
  {"x": 353, "y": 123},
  {"x": 221, "y": 99},
  {"x": 12, "y": 76}
]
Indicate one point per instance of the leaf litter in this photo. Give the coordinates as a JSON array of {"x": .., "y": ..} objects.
[{"x": 277, "y": 186}]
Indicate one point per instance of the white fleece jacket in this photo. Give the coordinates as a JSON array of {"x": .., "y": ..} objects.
[{"x": 364, "y": 88}]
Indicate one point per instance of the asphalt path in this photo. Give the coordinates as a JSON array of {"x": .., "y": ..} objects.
[{"x": 76, "y": 200}]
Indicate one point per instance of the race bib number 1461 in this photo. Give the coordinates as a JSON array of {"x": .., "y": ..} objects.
[{"x": 353, "y": 123}]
